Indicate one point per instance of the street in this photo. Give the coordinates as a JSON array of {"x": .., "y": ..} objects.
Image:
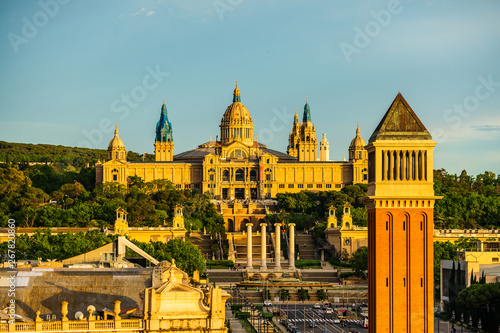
[{"x": 302, "y": 315}]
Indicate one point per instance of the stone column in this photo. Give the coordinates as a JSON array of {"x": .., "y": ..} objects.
[
  {"x": 249, "y": 246},
  {"x": 291, "y": 260},
  {"x": 263, "y": 246},
  {"x": 277, "y": 252}
]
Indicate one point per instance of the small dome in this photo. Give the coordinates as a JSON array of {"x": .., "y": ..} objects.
[
  {"x": 116, "y": 142},
  {"x": 358, "y": 141}
]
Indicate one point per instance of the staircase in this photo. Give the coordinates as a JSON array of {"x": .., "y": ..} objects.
[
  {"x": 225, "y": 277},
  {"x": 318, "y": 275},
  {"x": 306, "y": 246},
  {"x": 203, "y": 243}
]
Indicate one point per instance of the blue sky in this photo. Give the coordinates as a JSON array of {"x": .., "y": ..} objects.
[{"x": 72, "y": 69}]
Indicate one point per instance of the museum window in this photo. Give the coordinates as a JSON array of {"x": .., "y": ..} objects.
[
  {"x": 309, "y": 185},
  {"x": 178, "y": 186},
  {"x": 187, "y": 186},
  {"x": 319, "y": 185},
  {"x": 300, "y": 186},
  {"x": 281, "y": 185},
  {"x": 290, "y": 186},
  {"x": 328, "y": 185},
  {"x": 338, "y": 185},
  {"x": 268, "y": 177},
  {"x": 212, "y": 178},
  {"x": 115, "y": 177},
  {"x": 253, "y": 175},
  {"x": 225, "y": 176},
  {"x": 494, "y": 259},
  {"x": 239, "y": 175}
]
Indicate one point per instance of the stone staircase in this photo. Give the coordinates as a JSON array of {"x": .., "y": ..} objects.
[
  {"x": 318, "y": 275},
  {"x": 202, "y": 242},
  {"x": 306, "y": 246},
  {"x": 225, "y": 277}
]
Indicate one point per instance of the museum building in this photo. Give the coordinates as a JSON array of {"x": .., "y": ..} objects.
[{"x": 236, "y": 165}]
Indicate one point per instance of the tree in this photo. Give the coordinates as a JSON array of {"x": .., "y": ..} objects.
[
  {"x": 482, "y": 301},
  {"x": 359, "y": 261}
]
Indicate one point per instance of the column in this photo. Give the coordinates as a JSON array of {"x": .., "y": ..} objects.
[
  {"x": 249, "y": 246},
  {"x": 291, "y": 260},
  {"x": 277, "y": 252},
  {"x": 263, "y": 246}
]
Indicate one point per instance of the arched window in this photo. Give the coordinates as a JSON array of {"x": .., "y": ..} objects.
[
  {"x": 237, "y": 153},
  {"x": 225, "y": 176},
  {"x": 239, "y": 175}
]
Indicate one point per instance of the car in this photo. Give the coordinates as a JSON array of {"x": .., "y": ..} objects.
[
  {"x": 336, "y": 320},
  {"x": 317, "y": 306},
  {"x": 268, "y": 303},
  {"x": 296, "y": 330},
  {"x": 312, "y": 324},
  {"x": 325, "y": 331},
  {"x": 329, "y": 310}
]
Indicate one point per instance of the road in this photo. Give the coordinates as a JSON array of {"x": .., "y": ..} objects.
[{"x": 302, "y": 315}]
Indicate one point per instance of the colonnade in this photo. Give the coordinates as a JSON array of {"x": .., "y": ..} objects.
[{"x": 277, "y": 243}]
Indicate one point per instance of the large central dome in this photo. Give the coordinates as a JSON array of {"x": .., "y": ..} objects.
[{"x": 236, "y": 124}]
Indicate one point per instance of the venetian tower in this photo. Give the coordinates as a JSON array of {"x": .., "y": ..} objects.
[
  {"x": 400, "y": 202},
  {"x": 324, "y": 149},
  {"x": 116, "y": 148},
  {"x": 236, "y": 123},
  {"x": 164, "y": 141},
  {"x": 308, "y": 143}
]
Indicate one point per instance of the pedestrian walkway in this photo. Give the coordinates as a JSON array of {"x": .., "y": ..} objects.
[{"x": 236, "y": 326}]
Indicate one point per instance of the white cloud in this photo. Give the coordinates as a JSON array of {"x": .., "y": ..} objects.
[{"x": 150, "y": 13}]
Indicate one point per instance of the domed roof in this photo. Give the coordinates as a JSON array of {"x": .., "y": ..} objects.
[
  {"x": 116, "y": 142},
  {"x": 358, "y": 141},
  {"x": 236, "y": 113}
]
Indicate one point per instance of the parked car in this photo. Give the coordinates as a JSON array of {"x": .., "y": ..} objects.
[
  {"x": 329, "y": 310},
  {"x": 317, "y": 306},
  {"x": 312, "y": 324},
  {"x": 336, "y": 320},
  {"x": 268, "y": 303}
]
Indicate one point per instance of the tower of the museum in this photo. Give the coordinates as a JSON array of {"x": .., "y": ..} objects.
[
  {"x": 164, "y": 141},
  {"x": 357, "y": 149},
  {"x": 400, "y": 203},
  {"x": 302, "y": 141},
  {"x": 236, "y": 123},
  {"x": 324, "y": 149},
  {"x": 116, "y": 148}
]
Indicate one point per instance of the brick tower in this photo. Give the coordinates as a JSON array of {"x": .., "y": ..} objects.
[{"x": 400, "y": 203}]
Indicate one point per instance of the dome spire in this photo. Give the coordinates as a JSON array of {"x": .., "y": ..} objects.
[
  {"x": 116, "y": 130},
  {"x": 358, "y": 133},
  {"x": 296, "y": 117},
  {"x": 236, "y": 94}
]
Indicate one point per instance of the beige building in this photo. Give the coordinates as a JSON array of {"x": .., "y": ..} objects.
[
  {"x": 236, "y": 165},
  {"x": 171, "y": 304}
]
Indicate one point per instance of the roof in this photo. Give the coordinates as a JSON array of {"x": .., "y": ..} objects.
[
  {"x": 207, "y": 148},
  {"x": 400, "y": 123}
]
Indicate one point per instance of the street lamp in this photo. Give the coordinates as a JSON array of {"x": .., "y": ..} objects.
[
  {"x": 462, "y": 321},
  {"x": 479, "y": 326},
  {"x": 470, "y": 322}
]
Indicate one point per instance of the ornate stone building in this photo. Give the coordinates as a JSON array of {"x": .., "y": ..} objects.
[{"x": 236, "y": 165}]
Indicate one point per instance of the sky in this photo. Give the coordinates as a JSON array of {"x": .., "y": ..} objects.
[{"x": 71, "y": 70}]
